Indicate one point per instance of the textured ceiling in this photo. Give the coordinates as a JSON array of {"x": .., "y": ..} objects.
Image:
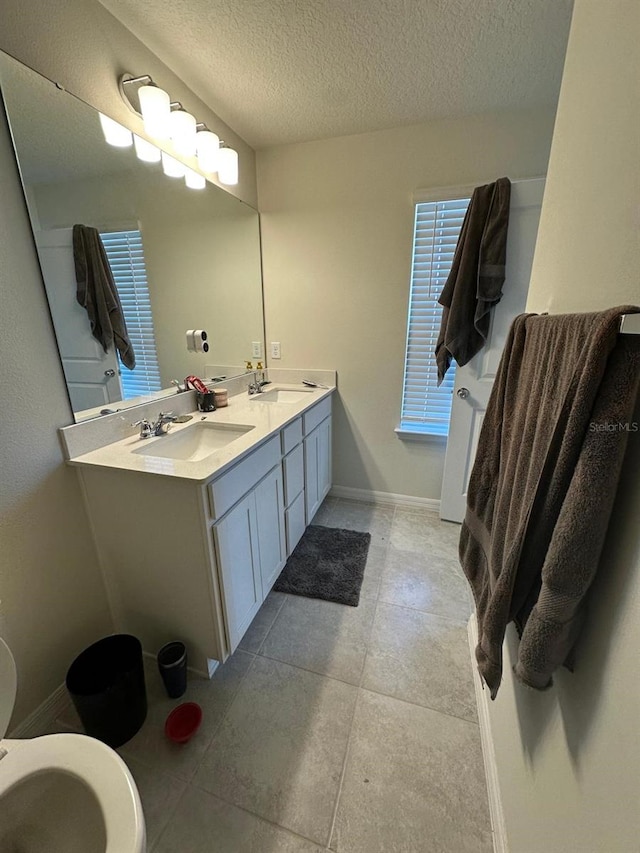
[{"x": 282, "y": 71}]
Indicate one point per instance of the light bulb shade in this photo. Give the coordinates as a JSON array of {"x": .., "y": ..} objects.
[
  {"x": 115, "y": 134},
  {"x": 155, "y": 109},
  {"x": 182, "y": 129},
  {"x": 145, "y": 151},
  {"x": 194, "y": 180},
  {"x": 228, "y": 166},
  {"x": 171, "y": 167},
  {"x": 207, "y": 147}
]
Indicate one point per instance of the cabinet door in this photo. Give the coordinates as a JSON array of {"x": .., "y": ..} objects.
[
  {"x": 324, "y": 459},
  {"x": 237, "y": 540},
  {"x": 269, "y": 499},
  {"x": 317, "y": 467}
]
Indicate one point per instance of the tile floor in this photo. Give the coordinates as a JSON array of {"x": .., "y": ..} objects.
[{"x": 332, "y": 728}]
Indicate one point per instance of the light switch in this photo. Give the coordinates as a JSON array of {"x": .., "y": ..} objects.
[
  {"x": 256, "y": 349},
  {"x": 275, "y": 349}
]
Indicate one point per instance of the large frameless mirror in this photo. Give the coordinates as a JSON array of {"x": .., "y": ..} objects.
[{"x": 180, "y": 258}]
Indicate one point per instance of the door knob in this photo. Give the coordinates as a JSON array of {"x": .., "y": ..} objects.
[
  {"x": 110, "y": 373},
  {"x": 463, "y": 393}
]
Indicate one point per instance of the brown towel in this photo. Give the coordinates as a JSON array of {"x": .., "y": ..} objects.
[
  {"x": 97, "y": 293},
  {"x": 474, "y": 284},
  {"x": 543, "y": 484}
]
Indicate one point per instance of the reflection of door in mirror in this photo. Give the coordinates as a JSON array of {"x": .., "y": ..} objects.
[{"x": 93, "y": 376}]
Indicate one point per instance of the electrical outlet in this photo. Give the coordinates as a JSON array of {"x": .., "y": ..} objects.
[
  {"x": 256, "y": 349},
  {"x": 275, "y": 349}
]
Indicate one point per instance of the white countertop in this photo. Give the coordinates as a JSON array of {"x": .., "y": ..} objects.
[{"x": 265, "y": 418}]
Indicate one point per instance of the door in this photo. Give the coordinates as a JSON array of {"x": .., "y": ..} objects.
[
  {"x": 474, "y": 381},
  {"x": 271, "y": 532},
  {"x": 93, "y": 376},
  {"x": 239, "y": 562}
]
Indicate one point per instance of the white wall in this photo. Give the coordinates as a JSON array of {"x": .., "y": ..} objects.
[
  {"x": 569, "y": 759},
  {"x": 52, "y": 599},
  {"x": 337, "y": 222}
]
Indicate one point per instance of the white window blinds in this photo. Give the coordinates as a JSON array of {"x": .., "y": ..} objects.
[
  {"x": 126, "y": 259},
  {"x": 425, "y": 407}
]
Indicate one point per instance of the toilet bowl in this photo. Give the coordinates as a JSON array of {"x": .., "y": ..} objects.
[{"x": 63, "y": 793}]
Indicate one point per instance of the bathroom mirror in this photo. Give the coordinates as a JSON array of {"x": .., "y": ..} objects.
[{"x": 181, "y": 258}]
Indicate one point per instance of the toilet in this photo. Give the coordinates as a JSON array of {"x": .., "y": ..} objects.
[{"x": 63, "y": 793}]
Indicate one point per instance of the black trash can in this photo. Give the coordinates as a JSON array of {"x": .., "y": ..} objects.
[
  {"x": 172, "y": 664},
  {"x": 106, "y": 683}
]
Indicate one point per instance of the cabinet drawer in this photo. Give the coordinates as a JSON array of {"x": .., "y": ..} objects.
[
  {"x": 295, "y": 523},
  {"x": 291, "y": 435},
  {"x": 232, "y": 485},
  {"x": 293, "y": 465},
  {"x": 316, "y": 415}
]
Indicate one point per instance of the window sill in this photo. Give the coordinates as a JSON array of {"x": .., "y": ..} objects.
[{"x": 405, "y": 434}]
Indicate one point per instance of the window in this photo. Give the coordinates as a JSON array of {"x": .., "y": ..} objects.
[
  {"x": 126, "y": 259},
  {"x": 425, "y": 407}
]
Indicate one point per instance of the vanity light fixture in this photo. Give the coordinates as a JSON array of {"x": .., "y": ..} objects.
[
  {"x": 115, "y": 134},
  {"x": 155, "y": 108},
  {"x": 194, "y": 180},
  {"x": 182, "y": 129},
  {"x": 171, "y": 167},
  {"x": 207, "y": 148},
  {"x": 228, "y": 166},
  {"x": 145, "y": 151}
]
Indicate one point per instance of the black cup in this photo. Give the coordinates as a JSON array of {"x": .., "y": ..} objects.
[
  {"x": 172, "y": 663},
  {"x": 206, "y": 402}
]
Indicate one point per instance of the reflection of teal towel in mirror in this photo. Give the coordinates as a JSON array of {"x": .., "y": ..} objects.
[{"x": 97, "y": 293}]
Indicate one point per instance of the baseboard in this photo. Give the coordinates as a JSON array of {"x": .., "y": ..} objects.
[
  {"x": 488, "y": 750},
  {"x": 388, "y": 498},
  {"x": 43, "y": 717}
]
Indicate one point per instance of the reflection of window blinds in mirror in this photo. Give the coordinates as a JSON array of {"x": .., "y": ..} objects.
[
  {"x": 126, "y": 259},
  {"x": 426, "y": 408}
]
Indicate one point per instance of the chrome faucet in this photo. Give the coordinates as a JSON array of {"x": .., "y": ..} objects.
[
  {"x": 158, "y": 427},
  {"x": 256, "y": 386}
]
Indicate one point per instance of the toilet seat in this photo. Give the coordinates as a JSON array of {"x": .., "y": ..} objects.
[{"x": 91, "y": 762}]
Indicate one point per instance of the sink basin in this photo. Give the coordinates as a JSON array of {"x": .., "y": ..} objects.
[
  {"x": 194, "y": 442},
  {"x": 282, "y": 395}
]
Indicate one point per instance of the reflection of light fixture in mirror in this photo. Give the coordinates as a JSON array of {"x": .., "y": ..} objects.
[
  {"x": 156, "y": 111},
  {"x": 171, "y": 167},
  {"x": 182, "y": 129},
  {"x": 228, "y": 166},
  {"x": 145, "y": 151},
  {"x": 115, "y": 134},
  {"x": 207, "y": 147},
  {"x": 194, "y": 180}
]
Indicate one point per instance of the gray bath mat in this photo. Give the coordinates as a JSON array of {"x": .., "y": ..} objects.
[{"x": 327, "y": 563}]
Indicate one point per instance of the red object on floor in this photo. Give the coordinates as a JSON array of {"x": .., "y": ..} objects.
[{"x": 183, "y": 722}]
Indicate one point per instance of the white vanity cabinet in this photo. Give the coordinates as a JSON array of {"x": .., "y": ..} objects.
[
  {"x": 193, "y": 560},
  {"x": 251, "y": 549},
  {"x": 317, "y": 456}
]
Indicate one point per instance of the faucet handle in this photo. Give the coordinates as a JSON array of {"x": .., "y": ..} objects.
[{"x": 145, "y": 427}]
